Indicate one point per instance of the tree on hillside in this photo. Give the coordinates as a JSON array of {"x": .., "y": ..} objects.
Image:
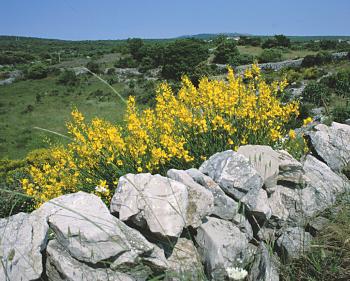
[
  {"x": 270, "y": 55},
  {"x": 37, "y": 71},
  {"x": 249, "y": 41},
  {"x": 134, "y": 46},
  {"x": 93, "y": 66},
  {"x": 328, "y": 44},
  {"x": 154, "y": 52},
  {"x": 282, "y": 40},
  {"x": 220, "y": 39},
  {"x": 277, "y": 41},
  {"x": 182, "y": 56},
  {"x": 225, "y": 52}
]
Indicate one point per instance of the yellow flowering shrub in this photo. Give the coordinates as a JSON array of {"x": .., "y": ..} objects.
[{"x": 178, "y": 132}]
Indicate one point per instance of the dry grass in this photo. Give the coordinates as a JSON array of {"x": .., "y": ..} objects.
[{"x": 329, "y": 259}]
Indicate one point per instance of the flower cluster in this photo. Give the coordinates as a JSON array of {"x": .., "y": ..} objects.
[{"x": 178, "y": 132}]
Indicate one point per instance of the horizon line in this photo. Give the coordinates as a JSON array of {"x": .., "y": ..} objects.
[{"x": 168, "y": 38}]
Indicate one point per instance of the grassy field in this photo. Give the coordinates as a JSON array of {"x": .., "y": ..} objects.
[
  {"x": 106, "y": 60},
  {"x": 43, "y": 103},
  {"x": 291, "y": 54}
]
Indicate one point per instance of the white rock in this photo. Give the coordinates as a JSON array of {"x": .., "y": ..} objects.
[
  {"x": 265, "y": 266},
  {"x": 290, "y": 170},
  {"x": 243, "y": 224},
  {"x": 332, "y": 144},
  {"x": 265, "y": 161},
  {"x": 61, "y": 266},
  {"x": 233, "y": 172},
  {"x": 222, "y": 245},
  {"x": 286, "y": 206},
  {"x": 323, "y": 186},
  {"x": 224, "y": 206},
  {"x": 158, "y": 202},
  {"x": 84, "y": 226},
  {"x": 22, "y": 238},
  {"x": 200, "y": 200},
  {"x": 294, "y": 242},
  {"x": 184, "y": 262},
  {"x": 256, "y": 202}
]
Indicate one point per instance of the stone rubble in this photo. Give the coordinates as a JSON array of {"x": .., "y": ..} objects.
[{"x": 193, "y": 224}]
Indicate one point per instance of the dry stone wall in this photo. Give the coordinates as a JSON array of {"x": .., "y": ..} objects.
[{"x": 211, "y": 223}]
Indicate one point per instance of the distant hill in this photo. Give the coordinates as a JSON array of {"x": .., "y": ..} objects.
[
  {"x": 208, "y": 36},
  {"x": 8, "y": 39}
]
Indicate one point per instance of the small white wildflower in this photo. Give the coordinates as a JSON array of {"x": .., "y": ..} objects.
[
  {"x": 236, "y": 273},
  {"x": 100, "y": 189}
]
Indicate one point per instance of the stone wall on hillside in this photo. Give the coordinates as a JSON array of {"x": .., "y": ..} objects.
[{"x": 279, "y": 65}]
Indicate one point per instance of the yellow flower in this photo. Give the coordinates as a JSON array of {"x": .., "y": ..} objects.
[
  {"x": 292, "y": 134},
  {"x": 307, "y": 121},
  {"x": 176, "y": 132}
]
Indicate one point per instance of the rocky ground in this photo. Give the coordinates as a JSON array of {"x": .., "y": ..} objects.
[{"x": 240, "y": 215}]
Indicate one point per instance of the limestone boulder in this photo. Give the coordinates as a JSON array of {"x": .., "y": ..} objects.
[
  {"x": 22, "y": 239},
  {"x": 224, "y": 206},
  {"x": 184, "y": 262},
  {"x": 233, "y": 172},
  {"x": 200, "y": 200},
  {"x": 61, "y": 266},
  {"x": 265, "y": 161},
  {"x": 290, "y": 170},
  {"x": 323, "y": 186},
  {"x": 83, "y": 225},
  {"x": 152, "y": 201},
  {"x": 265, "y": 265},
  {"x": 222, "y": 245},
  {"x": 294, "y": 242},
  {"x": 256, "y": 202},
  {"x": 332, "y": 144}
]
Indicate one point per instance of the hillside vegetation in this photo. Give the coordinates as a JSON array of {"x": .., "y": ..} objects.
[{"x": 76, "y": 117}]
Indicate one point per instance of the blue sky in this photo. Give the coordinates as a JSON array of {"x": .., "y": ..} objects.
[{"x": 117, "y": 19}]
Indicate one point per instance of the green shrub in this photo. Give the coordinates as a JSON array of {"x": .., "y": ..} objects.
[
  {"x": 270, "y": 55},
  {"x": 155, "y": 53},
  {"x": 15, "y": 57},
  {"x": 249, "y": 41},
  {"x": 312, "y": 73},
  {"x": 203, "y": 70},
  {"x": 313, "y": 46},
  {"x": 316, "y": 93},
  {"x": 126, "y": 62},
  {"x": 93, "y": 66},
  {"x": 341, "y": 111},
  {"x": 146, "y": 64},
  {"x": 339, "y": 83},
  {"x": 328, "y": 44},
  {"x": 134, "y": 46},
  {"x": 318, "y": 59},
  {"x": 67, "y": 77},
  {"x": 277, "y": 41},
  {"x": 37, "y": 71},
  {"x": 12, "y": 197},
  {"x": 241, "y": 60},
  {"x": 225, "y": 52},
  {"x": 292, "y": 75},
  {"x": 182, "y": 56}
]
